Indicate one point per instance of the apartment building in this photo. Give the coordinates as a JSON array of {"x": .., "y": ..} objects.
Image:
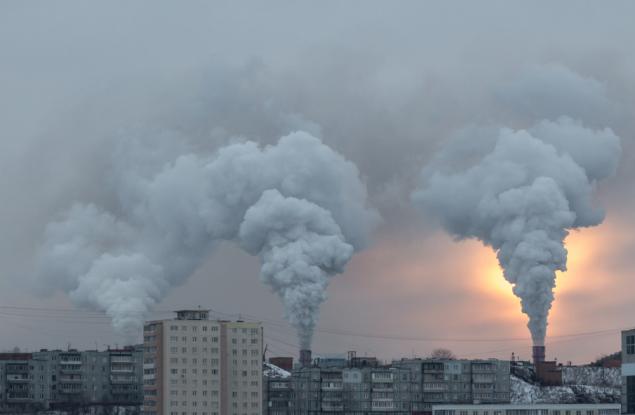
[
  {"x": 277, "y": 396},
  {"x": 66, "y": 380},
  {"x": 16, "y": 384},
  {"x": 197, "y": 366},
  {"x": 406, "y": 386},
  {"x": 457, "y": 381},
  {"x": 342, "y": 390},
  {"x": 628, "y": 371}
]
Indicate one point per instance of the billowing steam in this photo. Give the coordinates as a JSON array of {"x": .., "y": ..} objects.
[
  {"x": 301, "y": 246},
  {"x": 298, "y": 205},
  {"x": 520, "y": 192}
]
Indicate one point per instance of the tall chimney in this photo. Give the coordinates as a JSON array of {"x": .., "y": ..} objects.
[
  {"x": 538, "y": 354},
  {"x": 305, "y": 358}
]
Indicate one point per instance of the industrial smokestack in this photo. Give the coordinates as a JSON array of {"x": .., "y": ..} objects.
[
  {"x": 305, "y": 358},
  {"x": 538, "y": 354}
]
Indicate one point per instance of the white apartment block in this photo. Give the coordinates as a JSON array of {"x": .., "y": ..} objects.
[{"x": 197, "y": 366}]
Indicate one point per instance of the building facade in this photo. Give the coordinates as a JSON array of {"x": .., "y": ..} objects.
[
  {"x": 197, "y": 366},
  {"x": 437, "y": 381},
  {"x": 533, "y": 409},
  {"x": 404, "y": 387},
  {"x": 71, "y": 379},
  {"x": 16, "y": 384},
  {"x": 347, "y": 390},
  {"x": 628, "y": 371}
]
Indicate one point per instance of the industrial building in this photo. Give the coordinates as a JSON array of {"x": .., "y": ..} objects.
[
  {"x": 533, "y": 409},
  {"x": 197, "y": 366},
  {"x": 71, "y": 379},
  {"x": 628, "y": 371}
]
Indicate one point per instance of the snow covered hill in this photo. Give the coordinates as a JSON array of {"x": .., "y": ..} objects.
[{"x": 523, "y": 392}]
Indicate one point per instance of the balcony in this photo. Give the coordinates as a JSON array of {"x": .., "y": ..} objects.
[
  {"x": 19, "y": 396},
  {"x": 18, "y": 378},
  {"x": 483, "y": 368},
  {"x": 122, "y": 369},
  {"x": 382, "y": 406},
  {"x": 332, "y": 406},
  {"x": 382, "y": 379},
  {"x": 70, "y": 388},
  {"x": 71, "y": 379},
  {"x": 70, "y": 370},
  {"x": 70, "y": 362},
  {"x": 435, "y": 387},
  {"x": 382, "y": 387},
  {"x": 17, "y": 369},
  {"x": 122, "y": 360},
  {"x": 120, "y": 379}
]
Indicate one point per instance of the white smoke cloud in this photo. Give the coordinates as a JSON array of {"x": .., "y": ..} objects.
[
  {"x": 301, "y": 247},
  {"x": 297, "y": 204},
  {"x": 554, "y": 90},
  {"x": 521, "y": 197}
]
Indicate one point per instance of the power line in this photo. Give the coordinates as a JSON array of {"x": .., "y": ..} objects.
[{"x": 88, "y": 316}]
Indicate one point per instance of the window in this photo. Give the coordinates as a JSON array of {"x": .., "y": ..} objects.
[{"x": 630, "y": 344}]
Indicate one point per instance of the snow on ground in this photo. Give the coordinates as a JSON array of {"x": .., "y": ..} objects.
[
  {"x": 523, "y": 392},
  {"x": 587, "y": 375}
]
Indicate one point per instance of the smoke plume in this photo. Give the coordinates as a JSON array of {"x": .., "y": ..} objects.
[
  {"x": 298, "y": 204},
  {"x": 520, "y": 193},
  {"x": 301, "y": 247}
]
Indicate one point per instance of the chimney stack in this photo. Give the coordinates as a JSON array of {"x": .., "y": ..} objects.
[
  {"x": 538, "y": 354},
  {"x": 305, "y": 358}
]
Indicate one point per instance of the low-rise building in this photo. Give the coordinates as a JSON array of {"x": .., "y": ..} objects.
[
  {"x": 457, "y": 381},
  {"x": 404, "y": 387},
  {"x": 70, "y": 379},
  {"x": 17, "y": 384},
  {"x": 350, "y": 390}
]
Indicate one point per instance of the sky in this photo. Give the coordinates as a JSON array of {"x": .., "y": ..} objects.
[{"x": 386, "y": 87}]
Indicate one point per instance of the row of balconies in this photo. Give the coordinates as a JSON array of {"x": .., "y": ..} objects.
[
  {"x": 123, "y": 379},
  {"x": 121, "y": 358},
  {"x": 22, "y": 377},
  {"x": 16, "y": 369},
  {"x": 19, "y": 396}
]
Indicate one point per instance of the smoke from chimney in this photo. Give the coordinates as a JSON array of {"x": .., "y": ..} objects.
[
  {"x": 520, "y": 192},
  {"x": 298, "y": 205}
]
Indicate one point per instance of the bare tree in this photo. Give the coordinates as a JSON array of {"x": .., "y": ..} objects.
[{"x": 443, "y": 354}]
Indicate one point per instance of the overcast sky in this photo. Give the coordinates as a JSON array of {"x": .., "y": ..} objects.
[{"x": 383, "y": 84}]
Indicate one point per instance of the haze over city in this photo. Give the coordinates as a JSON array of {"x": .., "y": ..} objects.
[{"x": 95, "y": 96}]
